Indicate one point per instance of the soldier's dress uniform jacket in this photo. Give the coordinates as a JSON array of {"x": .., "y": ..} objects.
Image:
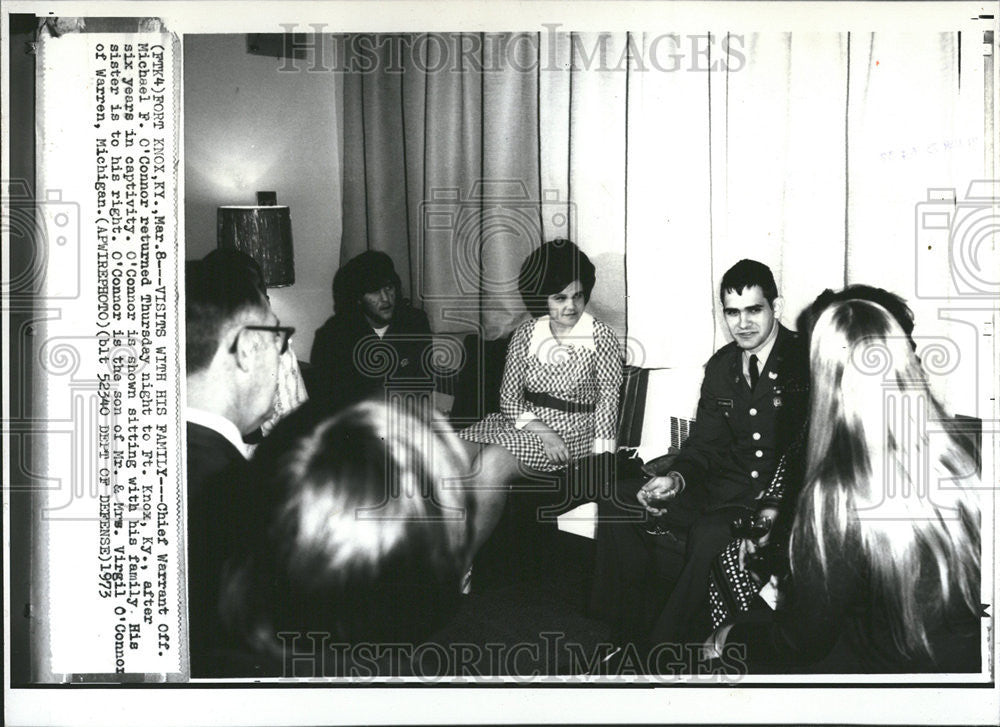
[
  {"x": 730, "y": 458},
  {"x": 737, "y": 440},
  {"x": 739, "y": 435}
]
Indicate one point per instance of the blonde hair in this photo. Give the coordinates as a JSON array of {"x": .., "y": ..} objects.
[
  {"x": 879, "y": 490},
  {"x": 359, "y": 529}
]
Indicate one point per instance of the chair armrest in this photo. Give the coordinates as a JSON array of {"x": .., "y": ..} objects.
[{"x": 661, "y": 465}]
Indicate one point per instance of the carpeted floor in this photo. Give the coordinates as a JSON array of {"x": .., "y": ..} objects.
[{"x": 526, "y": 615}]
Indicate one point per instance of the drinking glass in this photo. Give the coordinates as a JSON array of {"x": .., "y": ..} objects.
[{"x": 658, "y": 524}]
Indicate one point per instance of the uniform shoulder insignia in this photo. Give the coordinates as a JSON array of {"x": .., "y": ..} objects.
[{"x": 722, "y": 351}]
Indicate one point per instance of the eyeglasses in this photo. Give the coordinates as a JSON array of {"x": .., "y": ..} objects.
[{"x": 284, "y": 334}]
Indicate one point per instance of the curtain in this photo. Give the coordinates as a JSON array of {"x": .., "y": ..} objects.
[
  {"x": 916, "y": 140},
  {"x": 463, "y": 152},
  {"x": 811, "y": 152}
]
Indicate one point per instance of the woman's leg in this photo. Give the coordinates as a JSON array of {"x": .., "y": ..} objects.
[{"x": 492, "y": 472}]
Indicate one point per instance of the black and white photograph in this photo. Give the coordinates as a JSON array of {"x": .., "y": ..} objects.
[{"x": 364, "y": 358}]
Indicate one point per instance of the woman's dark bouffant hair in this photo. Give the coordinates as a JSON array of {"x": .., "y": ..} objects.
[{"x": 549, "y": 269}]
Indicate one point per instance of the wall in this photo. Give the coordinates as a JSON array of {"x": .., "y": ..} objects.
[{"x": 249, "y": 127}]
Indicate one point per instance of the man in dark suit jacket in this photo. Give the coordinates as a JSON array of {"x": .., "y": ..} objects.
[
  {"x": 754, "y": 400},
  {"x": 375, "y": 339},
  {"x": 234, "y": 341}
]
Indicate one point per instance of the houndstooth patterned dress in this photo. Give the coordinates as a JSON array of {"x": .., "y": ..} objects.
[{"x": 585, "y": 368}]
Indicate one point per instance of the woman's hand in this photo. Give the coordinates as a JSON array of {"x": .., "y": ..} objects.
[
  {"x": 763, "y": 520},
  {"x": 554, "y": 446},
  {"x": 290, "y": 392}
]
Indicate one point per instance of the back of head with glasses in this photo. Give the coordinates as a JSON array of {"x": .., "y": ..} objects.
[{"x": 234, "y": 340}]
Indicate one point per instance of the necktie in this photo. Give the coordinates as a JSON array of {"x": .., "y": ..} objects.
[{"x": 754, "y": 372}]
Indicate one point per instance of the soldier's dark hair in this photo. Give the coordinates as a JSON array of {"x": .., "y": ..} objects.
[
  {"x": 550, "y": 268},
  {"x": 746, "y": 274}
]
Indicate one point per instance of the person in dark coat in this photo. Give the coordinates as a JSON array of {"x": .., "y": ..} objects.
[
  {"x": 886, "y": 543},
  {"x": 375, "y": 338},
  {"x": 234, "y": 341},
  {"x": 754, "y": 398}
]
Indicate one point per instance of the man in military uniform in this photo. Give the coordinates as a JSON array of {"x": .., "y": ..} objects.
[{"x": 754, "y": 400}]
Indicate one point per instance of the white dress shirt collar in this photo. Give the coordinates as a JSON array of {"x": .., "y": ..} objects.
[
  {"x": 218, "y": 423},
  {"x": 762, "y": 355},
  {"x": 580, "y": 335}
]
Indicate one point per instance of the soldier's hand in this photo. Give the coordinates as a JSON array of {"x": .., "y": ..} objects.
[{"x": 654, "y": 492}]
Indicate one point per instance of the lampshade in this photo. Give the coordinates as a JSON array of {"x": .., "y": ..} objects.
[{"x": 265, "y": 234}]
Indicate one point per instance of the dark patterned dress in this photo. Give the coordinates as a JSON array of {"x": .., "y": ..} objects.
[
  {"x": 732, "y": 591},
  {"x": 583, "y": 371}
]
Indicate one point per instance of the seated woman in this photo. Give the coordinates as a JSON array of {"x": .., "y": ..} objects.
[
  {"x": 559, "y": 395},
  {"x": 746, "y": 563},
  {"x": 356, "y": 533},
  {"x": 885, "y": 544}
]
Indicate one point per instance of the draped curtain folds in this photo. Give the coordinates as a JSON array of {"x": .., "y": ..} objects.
[
  {"x": 459, "y": 169},
  {"x": 778, "y": 173},
  {"x": 808, "y": 151},
  {"x": 669, "y": 235},
  {"x": 915, "y": 129}
]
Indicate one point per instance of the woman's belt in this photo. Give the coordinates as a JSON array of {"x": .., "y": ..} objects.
[{"x": 539, "y": 398}]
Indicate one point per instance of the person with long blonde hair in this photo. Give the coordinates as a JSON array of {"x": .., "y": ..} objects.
[{"x": 885, "y": 547}]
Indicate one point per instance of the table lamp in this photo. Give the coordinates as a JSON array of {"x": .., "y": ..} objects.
[{"x": 264, "y": 232}]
